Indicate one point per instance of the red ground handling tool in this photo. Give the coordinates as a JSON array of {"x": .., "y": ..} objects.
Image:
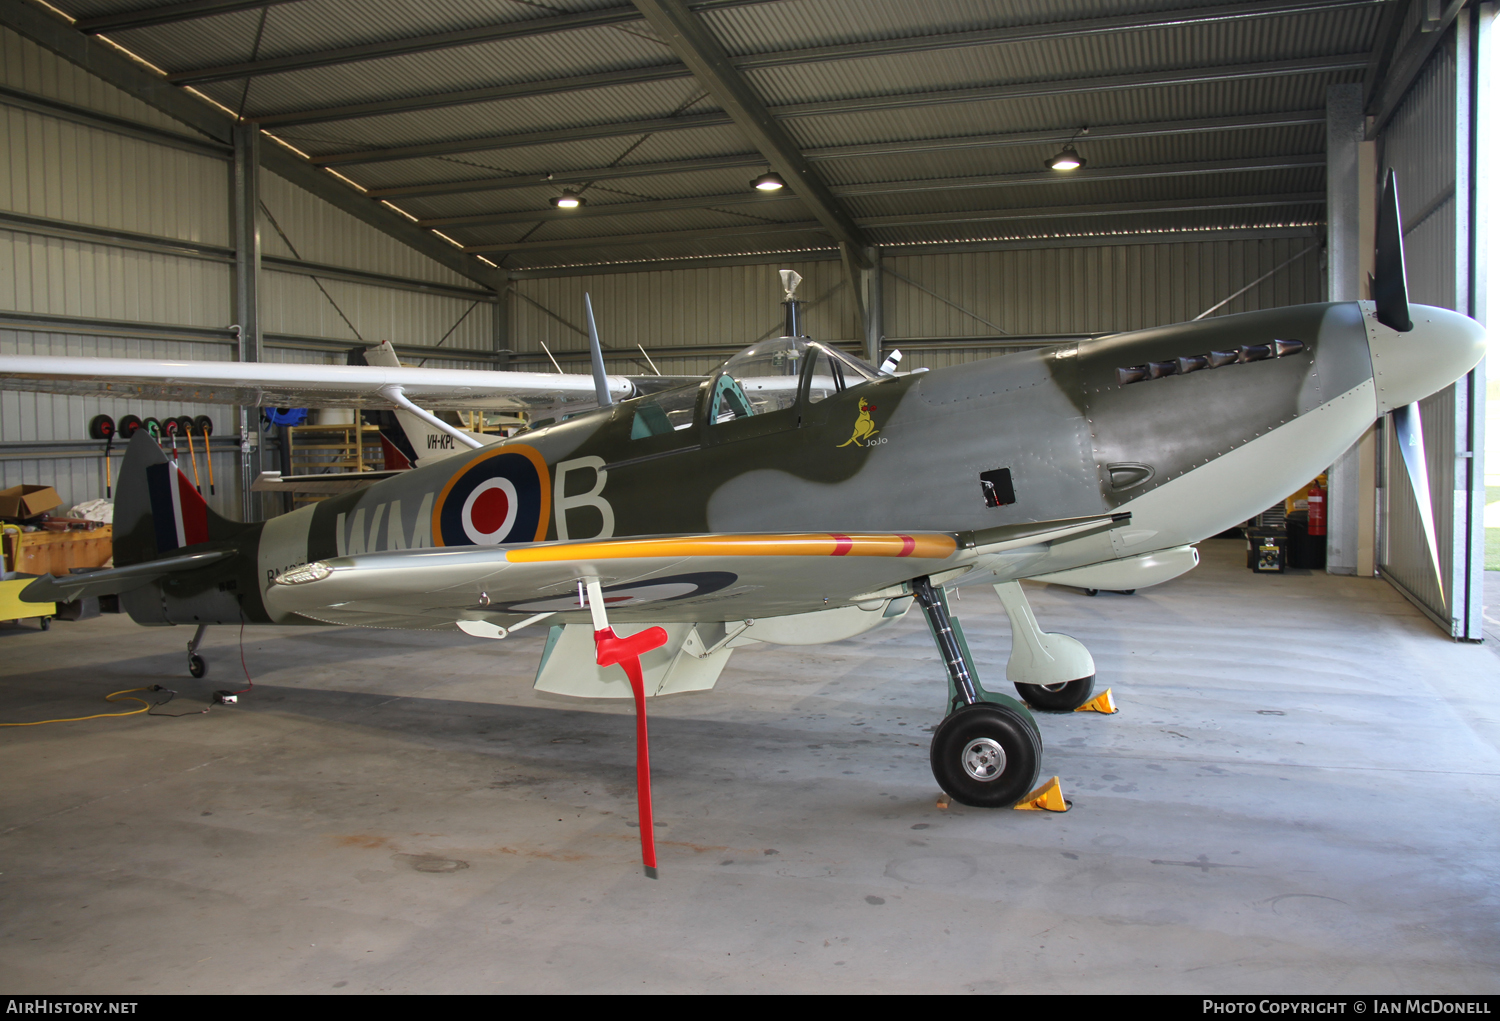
[{"x": 611, "y": 649}]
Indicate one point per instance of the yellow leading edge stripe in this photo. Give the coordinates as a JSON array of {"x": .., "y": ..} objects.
[{"x": 925, "y": 546}]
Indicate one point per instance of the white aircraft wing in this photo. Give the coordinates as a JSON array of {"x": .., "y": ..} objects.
[
  {"x": 296, "y": 385},
  {"x": 657, "y": 579}
]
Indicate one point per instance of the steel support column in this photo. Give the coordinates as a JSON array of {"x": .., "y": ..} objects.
[
  {"x": 244, "y": 210},
  {"x": 1486, "y": 146},
  {"x": 501, "y": 312},
  {"x": 1473, "y": 90},
  {"x": 1345, "y": 133}
]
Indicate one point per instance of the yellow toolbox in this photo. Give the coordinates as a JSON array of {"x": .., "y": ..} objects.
[
  {"x": 12, "y": 608},
  {"x": 57, "y": 552}
]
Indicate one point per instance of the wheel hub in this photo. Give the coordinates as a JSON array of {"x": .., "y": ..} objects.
[{"x": 983, "y": 759}]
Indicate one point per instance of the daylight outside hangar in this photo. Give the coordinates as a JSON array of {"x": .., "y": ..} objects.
[{"x": 480, "y": 184}]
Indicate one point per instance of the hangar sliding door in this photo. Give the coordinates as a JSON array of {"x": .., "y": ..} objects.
[{"x": 1430, "y": 142}]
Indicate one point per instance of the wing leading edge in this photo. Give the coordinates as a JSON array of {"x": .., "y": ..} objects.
[{"x": 276, "y": 384}]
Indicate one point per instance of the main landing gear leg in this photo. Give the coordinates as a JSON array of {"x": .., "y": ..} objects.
[
  {"x": 196, "y": 666},
  {"x": 987, "y": 752},
  {"x": 1051, "y": 671}
]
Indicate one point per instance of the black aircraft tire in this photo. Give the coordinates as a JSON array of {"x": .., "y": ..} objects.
[
  {"x": 964, "y": 748},
  {"x": 1057, "y": 698},
  {"x": 196, "y": 666}
]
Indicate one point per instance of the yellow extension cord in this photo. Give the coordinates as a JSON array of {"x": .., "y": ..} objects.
[{"x": 112, "y": 696}]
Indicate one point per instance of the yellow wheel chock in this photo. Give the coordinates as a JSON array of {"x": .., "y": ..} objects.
[
  {"x": 1100, "y": 703},
  {"x": 1046, "y": 798}
]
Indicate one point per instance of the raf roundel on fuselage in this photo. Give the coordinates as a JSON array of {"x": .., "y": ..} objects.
[{"x": 500, "y": 497}]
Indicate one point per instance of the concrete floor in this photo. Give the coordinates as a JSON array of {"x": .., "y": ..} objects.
[{"x": 1298, "y": 795}]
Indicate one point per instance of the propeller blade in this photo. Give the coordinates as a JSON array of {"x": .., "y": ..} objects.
[
  {"x": 1408, "y": 421},
  {"x": 596, "y": 357},
  {"x": 1389, "y": 283}
]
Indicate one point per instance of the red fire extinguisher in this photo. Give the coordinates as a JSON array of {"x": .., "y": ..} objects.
[{"x": 1317, "y": 510}]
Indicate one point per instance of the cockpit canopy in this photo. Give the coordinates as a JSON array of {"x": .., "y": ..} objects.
[{"x": 765, "y": 377}]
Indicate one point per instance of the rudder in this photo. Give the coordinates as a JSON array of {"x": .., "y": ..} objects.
[{"x": 158, "y": 512}]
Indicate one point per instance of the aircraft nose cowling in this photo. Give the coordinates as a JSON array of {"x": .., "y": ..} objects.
[{"x": 1440, "y": 347}]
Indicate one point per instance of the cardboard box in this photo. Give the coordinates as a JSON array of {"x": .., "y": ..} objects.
[{"x": 27, "y": 501}]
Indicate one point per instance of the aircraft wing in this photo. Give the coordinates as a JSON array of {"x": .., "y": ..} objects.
[
  {"x": 298, "y": 385},
  {"x": 659, "y": 578}
]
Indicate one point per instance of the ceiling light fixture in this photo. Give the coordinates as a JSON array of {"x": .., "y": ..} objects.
[
  {"x": 568, "y": 200},
  {"x": 1068, "y": 159},
  {"x": 769, "y": 181}
]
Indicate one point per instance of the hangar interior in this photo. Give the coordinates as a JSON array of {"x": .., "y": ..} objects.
[{"x": 379, "y": 816}]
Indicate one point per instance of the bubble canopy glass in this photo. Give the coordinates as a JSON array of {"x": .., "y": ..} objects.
[{"x": 765, "y": 377}]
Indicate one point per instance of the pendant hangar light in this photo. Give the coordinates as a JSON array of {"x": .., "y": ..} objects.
[
  {"x": 1068, "y": 159},
  {"x": 568, "y": 200},
  {"x": 769, "y": 181}
]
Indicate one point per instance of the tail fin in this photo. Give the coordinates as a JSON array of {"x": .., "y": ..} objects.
[
  {"x": 428, "y": 443},
  {"x": 158, "y": 511}
]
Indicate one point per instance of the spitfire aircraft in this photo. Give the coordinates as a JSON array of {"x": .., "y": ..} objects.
[{"x": 797, "y": 495}]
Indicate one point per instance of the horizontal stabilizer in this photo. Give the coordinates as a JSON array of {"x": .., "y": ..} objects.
[{"x": 70, "y": 587}]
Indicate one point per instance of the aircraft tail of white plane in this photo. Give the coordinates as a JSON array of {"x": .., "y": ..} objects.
[{"x": 428, "y": 442}]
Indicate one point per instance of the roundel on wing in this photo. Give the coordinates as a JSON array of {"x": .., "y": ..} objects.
[
  {"x": 656, "y": 590},
  {"x": 501, "y": 496}
]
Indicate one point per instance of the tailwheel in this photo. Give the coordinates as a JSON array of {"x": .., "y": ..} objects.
[
  {"x": 196, "y": 665},
  {"x": 984, "y": 755},
  {"x": 1057, "y": 698}
]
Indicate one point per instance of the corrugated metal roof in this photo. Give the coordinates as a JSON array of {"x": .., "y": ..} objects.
[
  {"x": 310, "y": 25},
  {"x": 714, "y": 182},
  {"x": 1097, "y": 193},
  {"x": 658, "y": 147},
  {"x": 505, "y": 62},
  {"x": 512, "y": 117},
  {"x": 837, "y": 79},
  {"x": 1162, "y": 151},
  {"x": 1211, "y": 45},
  {"x": 1123, "y": 106},
  {"x": 798, "y": 23}
]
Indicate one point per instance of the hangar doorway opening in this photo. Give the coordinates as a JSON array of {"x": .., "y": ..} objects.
[{"x": 1437, "y": 138}]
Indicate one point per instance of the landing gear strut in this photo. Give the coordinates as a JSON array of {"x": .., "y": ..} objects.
[
  {"x": 987, "y": 752},
  {"x": 196, "y": 666}
]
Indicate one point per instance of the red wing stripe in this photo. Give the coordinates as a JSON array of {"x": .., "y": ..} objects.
[
  {"x": 907, "y": 545},
  {"x": 842, "y": 544}
]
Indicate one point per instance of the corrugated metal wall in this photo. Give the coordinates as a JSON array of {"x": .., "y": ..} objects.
[
  {"x": 1107, "y": 289},
  {"x": 1422, "y": 143},
  {"x": 1041, "y": 291},
  {"x": 722, "y": 306},
  {"x": 81, "y": 174}
]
